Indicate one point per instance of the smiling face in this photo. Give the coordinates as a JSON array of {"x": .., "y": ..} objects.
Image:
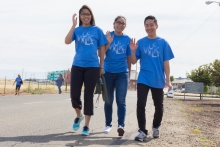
[
  {"x": 150, "y": 28},
  {"x": 85, "y": 17},
  {"x": 119, "y": 25}
]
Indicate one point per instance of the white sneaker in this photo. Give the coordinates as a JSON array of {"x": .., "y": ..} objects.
[
  {"x": 107, "y": 129},
  {"x": 156, "y": 132},
  {"x": 120, "y": 131},
  {"x": 141, "y": 137}
]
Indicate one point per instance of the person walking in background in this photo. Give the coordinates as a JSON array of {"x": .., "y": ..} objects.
[
  {"x": 18, "y": 82},
  {"x": 86, "y": 68},
  {"x": 154, "y": 53},
  {"x": 59, "y": 83},
  {"x": 117, "y": 66}
]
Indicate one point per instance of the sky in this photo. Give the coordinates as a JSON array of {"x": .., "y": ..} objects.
[{"x": 32, "y": 32}]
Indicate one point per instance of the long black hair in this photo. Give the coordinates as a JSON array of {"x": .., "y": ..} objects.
[{"x": 92, "y": 22}]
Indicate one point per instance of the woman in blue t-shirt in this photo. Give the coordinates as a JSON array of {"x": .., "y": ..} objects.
[
  {"x": 18, "y": 82},
  {"x": 117, "y": 65},
  {"x": 86, "y": 68}
]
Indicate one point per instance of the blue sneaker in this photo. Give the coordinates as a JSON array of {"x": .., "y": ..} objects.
[
  {"x": 85, "y": 131},
  {"x": 77, "y": 122}
]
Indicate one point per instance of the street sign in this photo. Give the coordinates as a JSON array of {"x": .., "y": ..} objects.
[{"x": 194, "y": 87}]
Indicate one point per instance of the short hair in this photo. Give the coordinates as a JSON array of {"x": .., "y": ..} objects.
[
  {"x": 119, "y": 17},
  {"x": 152, "y": 18},
  {"x": 92, "y": 22}
]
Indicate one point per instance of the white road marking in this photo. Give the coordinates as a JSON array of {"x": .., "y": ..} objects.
[{"x": 34, "y": 102}]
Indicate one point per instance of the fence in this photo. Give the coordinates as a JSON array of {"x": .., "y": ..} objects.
[{"x": 6, "y": 87}]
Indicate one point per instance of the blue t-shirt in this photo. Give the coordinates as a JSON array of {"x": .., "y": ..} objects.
[
  {"x": 152, "y": 54},
  {"x": 18, "y": 81},
  {"x": 116, "y": 55},
  {"x": 87, "y": 42}
]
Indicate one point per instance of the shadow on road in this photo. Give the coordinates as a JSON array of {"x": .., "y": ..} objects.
[{"x": 76, "y": 139}]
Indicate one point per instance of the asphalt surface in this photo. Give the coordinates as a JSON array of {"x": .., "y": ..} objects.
[{"x": 46, "y": 120}]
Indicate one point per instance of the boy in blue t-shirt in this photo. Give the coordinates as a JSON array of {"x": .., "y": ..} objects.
[
  {"x": 18, "y": 81},
  {"x": 154, "y": 54}
]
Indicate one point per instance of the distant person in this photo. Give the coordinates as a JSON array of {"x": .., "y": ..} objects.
[
  {"x": 154, "y": 54},
  {"x": 117, "y": 66},
  {"x": 18, "y": 82},
  {"x": 59, "y": 83},
  {"x": 86, "y": 68}
]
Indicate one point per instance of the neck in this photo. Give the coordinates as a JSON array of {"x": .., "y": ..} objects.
[
  {"x": 152, "y": 36},
  {"x": 86, "y": 25},
  {"x": 118, "y": 33}
]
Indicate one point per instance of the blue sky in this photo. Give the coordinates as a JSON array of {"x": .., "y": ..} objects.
[{"x": 32, "y": 32}]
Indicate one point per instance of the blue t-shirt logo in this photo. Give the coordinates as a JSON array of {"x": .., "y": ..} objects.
[
  {"x": 152, "y": 51},
  {"x": 117, "y": 48},
  {"x": 86, "y": 39}
]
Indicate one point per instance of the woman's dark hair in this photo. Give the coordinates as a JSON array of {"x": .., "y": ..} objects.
[
  {"x": 152, "y": 18},
  {"x": 92, "y": 22},
  {"x": 119, "y": 17}
]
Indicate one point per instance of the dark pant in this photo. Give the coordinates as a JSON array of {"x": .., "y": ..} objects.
[
  {"x": 89, "y": 76},
  {"x": 59, "y": 88},
  {"x": 17, "y": 87},
  {"x": 117, "y": 82},
  {"x": 157, "y": 96}
]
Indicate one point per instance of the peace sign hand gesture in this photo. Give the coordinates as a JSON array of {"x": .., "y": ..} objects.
[{"x": 74, "y": 19}]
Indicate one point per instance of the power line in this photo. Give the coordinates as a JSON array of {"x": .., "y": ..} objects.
[
  {"x": 186, "y": 21},
  {"x": 197, "y": 28},
  {"x": 177, "y": 15}
]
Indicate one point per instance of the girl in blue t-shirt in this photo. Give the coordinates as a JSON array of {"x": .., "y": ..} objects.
[
  {"x": 86, "y": 68},
  {"x": 116, "y": 66}
]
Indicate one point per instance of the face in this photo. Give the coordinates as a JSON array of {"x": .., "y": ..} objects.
[
  {"x": 119, "y": 25},
  {"x": 150, "y": 27},
  {"x": 85, "y": 17}
]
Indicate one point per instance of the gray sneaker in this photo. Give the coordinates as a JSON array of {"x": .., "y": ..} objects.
[
  {"x": 156, "y": 132},
  {"x": 141, "y": 137}
]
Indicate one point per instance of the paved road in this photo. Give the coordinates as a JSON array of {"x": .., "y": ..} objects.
[{"x": 46, "y": 120}]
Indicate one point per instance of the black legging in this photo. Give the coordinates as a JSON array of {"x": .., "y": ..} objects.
[{"x": 89, "y": 76}]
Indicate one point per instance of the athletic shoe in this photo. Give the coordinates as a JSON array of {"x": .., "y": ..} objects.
[
  {"x": 156, "y": 132},
  {"x": 141, "y": 136},
  {"x": 77, "y": 122},
  {"x": 15, "y": 93},
  {"x": 85, "y": 131},
  {"x": 107, "y": 129},
  {"x": 120, "y": 131}
]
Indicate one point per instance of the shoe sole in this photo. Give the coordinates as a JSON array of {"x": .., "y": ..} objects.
[{"x": 120, "y": 132}]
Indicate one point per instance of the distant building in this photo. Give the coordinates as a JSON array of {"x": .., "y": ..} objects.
[
  {"x": 53, "y": 75},
  {"x": 180, "y": 82}
]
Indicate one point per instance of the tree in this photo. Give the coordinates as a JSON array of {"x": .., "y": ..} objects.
[
  {"x": 171, "y": 78},
  {"x": 214, "y": 70},
  {"x": 201, "y": 74}
]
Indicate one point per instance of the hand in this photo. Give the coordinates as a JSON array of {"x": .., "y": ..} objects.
[
  {"x": 74, "y": 19},
  {"x": 109, "y": 37},
  {"x": 133, "y": 45},
  {"x": 169, "y": 86},
  {"x": 101, "y": 72}
]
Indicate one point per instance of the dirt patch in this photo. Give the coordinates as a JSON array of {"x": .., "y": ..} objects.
[{"x": 204, "y": 116}]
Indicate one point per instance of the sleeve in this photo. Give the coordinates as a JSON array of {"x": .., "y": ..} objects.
[
  {"x": 102, "y": 40},
  {"x": 167, "y": 53}
]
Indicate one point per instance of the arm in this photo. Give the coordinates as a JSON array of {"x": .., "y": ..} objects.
[
  {"x": 102, "y": 54},
  {"x": 133, "y": 47},
  {"x": 68, "y": 38},
  {"x": 110, "y": 39},
  {"x": 167, "y": 73}
]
